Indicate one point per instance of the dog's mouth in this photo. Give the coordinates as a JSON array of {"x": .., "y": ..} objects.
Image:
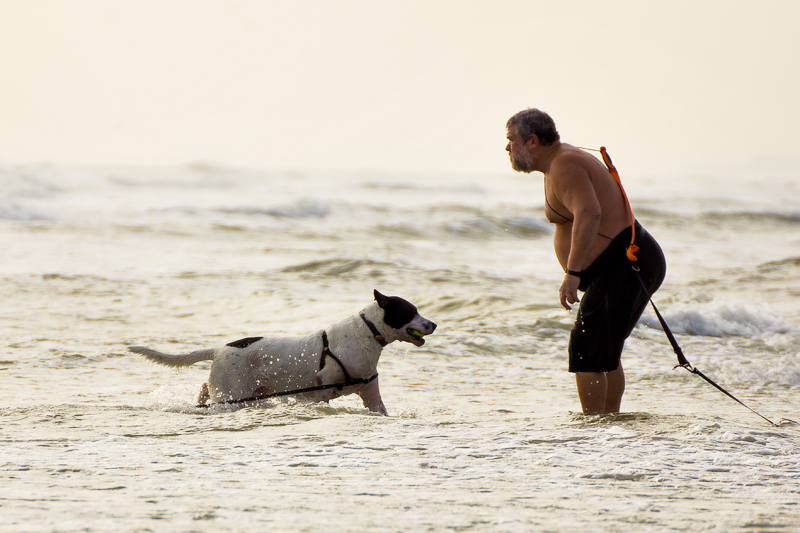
[{"x": 416, "y": 336}]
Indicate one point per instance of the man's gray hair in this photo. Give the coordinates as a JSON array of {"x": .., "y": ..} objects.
[{"x": 534, "y": 122}]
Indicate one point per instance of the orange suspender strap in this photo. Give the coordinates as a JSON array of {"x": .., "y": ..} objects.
[{"x": 632, "y": 249}]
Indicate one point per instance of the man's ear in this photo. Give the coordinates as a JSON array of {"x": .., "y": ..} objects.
[
  {"x": 533, "y": 141},
  {"x": 380, "y": 298}
]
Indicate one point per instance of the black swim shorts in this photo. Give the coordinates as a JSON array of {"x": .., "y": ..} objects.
[{"x": 614, "y": 300}]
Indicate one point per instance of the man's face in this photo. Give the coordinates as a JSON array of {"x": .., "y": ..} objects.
[{"x": 522, "y": 160}]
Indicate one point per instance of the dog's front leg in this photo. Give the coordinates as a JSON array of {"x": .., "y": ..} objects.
[
  {"x": 371, "y": 396},
  {"x": 204, "y": 396}
]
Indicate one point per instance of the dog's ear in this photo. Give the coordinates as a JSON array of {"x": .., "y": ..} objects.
[{"x": 380, "y": 298}]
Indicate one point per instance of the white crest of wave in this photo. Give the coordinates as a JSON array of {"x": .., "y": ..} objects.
[
  {"x": 301, "y": 209},
  {"x": 720, "y": 319},
  {"x": 17, "y": 189}
]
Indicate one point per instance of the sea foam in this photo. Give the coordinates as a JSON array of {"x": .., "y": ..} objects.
[{"x": 720, "y": 319}]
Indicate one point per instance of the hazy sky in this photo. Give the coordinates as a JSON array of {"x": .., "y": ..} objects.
[{"x": 687, "y": 87}]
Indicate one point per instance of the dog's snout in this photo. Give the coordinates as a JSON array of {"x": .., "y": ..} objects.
[{"x": 430, "y": 325}]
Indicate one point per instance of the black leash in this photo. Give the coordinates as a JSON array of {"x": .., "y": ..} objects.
[
  {"x": 682, "y": 361},
  {"x": 339, "y": 386},
  {"x": 348, "y": 381}
]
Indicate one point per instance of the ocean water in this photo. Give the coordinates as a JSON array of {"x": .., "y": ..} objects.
[{"x": 484, "y": 432}]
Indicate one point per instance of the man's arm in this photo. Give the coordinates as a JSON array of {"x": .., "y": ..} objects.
[{"x": 574, "y": 189}]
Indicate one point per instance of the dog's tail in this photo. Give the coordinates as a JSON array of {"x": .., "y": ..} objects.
[{"x": 184, "y": 359}]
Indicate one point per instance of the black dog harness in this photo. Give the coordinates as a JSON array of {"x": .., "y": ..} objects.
[{"x": 326, "y": 351}]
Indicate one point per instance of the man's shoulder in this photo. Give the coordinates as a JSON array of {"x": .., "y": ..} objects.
[
  {"x": 570, "y": 161},
  {"x": 570, "y": 154}
]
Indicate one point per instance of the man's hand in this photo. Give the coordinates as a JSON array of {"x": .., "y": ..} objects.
[{"x": 568, "y": 292}]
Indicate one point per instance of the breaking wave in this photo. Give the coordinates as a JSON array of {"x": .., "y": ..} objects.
[{"x": 718, "y": 319}]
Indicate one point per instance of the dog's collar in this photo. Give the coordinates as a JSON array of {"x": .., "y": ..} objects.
[{"x": 374, "y": 330}]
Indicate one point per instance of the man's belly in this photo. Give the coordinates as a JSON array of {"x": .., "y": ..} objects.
[{"x": 562, "y": 242}]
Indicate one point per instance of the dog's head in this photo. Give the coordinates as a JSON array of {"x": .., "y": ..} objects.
[{"x": 403, "y": 317}]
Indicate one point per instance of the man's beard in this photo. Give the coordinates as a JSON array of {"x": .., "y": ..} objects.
[{"x": 520, "y": 164}]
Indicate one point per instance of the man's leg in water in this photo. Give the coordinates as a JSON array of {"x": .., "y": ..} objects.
[
  {"x": 592, "y": 391},
  {"x": 600, "y": 392},
  {"x": 615, "y": 389}
]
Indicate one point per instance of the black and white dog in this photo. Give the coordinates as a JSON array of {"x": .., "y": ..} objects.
[{"x": 340, "y": 360}]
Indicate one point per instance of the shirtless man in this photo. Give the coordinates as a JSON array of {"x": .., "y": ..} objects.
[{"x": 592, "y": 231}]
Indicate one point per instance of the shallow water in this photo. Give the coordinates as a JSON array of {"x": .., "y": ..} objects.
[{"x": 484, "y": 433}]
